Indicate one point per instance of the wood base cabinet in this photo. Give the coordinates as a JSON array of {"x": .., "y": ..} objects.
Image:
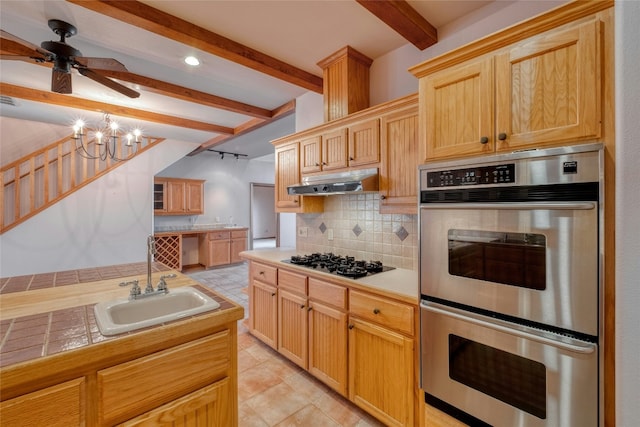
[
  {"x": 263, "y": 303},
  {"x": 292, "y": 317},
  {"x": 221, "y": 247}
]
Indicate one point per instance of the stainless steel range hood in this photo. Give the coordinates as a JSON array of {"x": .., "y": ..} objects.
[{"x": 357, "y": 181}]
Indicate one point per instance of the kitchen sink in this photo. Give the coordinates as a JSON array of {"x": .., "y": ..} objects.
[{"x": 124, "y": 315}]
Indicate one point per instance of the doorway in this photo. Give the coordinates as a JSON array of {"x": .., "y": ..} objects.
[{"x": 263, "y": 231}]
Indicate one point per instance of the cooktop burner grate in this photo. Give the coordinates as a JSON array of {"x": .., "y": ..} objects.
[{"x": 346, "y": 266}]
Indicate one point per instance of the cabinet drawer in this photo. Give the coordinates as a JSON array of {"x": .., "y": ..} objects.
[
  {"x": 238, "y": 234},
  {"x": 220, "y": 235},
  {"x": 59, "y": 405},
  {"x": 328, "y": 293},
  {"x": 390, "y": 314},
  {"x": 131, "y": 388},
  {"x": 293, "y": 282},
  {"x": 264, "y": 273}
]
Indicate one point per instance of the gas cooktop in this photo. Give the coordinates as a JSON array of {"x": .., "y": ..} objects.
[{"x": 346, "y": 266}]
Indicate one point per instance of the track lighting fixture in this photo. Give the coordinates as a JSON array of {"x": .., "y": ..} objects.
[{"x": 222, "y": 153}]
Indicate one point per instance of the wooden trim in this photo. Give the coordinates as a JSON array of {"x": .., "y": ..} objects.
[
  {"x": 117, "y": 110},
  {"x": 189, "y": 95},
  {"x": 561, "y": 15},
  {"x": 166, "y": 25},
  {"x": 405, "y": 20},
  {"x": 345, "y": 52}
]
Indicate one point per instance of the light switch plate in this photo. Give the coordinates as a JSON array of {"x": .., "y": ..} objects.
[{"x": 330, "y": 234}]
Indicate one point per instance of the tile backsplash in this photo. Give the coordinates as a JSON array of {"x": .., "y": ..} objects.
[{"x": 356, "y": 228}]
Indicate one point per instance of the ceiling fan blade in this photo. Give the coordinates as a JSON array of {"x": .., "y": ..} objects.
[
  {"x": 60, "y": 81},
  {"x": 17, "y": 57},
  {"x": 108, "y": 82},
  {"x": 100, "y": 63},
  {"x": 14, "y": 44}
]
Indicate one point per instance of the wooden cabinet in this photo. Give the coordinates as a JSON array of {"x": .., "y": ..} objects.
[
  {"x": 399, "y": 162},
  {"x": 341, "y": 148},
  {"x": 208, "y": 406},
  {"x": 221, "y": 247},
  {"x": 328, "y": 334},
  {"x": 364, "y": 143},
  {"x": 360, "y": 344},
  {"x": 292, "y": 317},
  {"x": 378, "y": 342},
  {"x": 238, "y": 244},
  {"x": 263, "y": 303},
  {"x": 540, "y": 92},
  {"x": 146, "y": 383},
  {"x": 173, "y": 196},
  {"x": 288, "y": 173},
  {"x": 60, "y": 405}
]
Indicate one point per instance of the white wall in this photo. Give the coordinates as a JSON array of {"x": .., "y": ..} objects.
[
  {"x": 627, "y": 53},
  {"x": 227, "y": 191},
  {"x": 104, "y": 223}
]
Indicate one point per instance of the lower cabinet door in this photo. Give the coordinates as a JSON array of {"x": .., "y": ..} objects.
[
  {"x": 219, "y": 252},
  {"x": 292, "y": 327},
  {"x": 381, "y": 372},
  {"x": 210, "y": 406},
  {"x": 328, "y": 346},
  {"x": 263, "y": 316}
]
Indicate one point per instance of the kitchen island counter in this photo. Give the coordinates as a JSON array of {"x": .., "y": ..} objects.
[
  {"x": 399, "y": 283},
  {"x": 50, "y": 337}
]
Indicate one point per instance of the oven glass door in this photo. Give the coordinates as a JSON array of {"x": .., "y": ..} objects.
[
  {"x": 537, "y": 262},
  {"x": 506, "y": 374}
]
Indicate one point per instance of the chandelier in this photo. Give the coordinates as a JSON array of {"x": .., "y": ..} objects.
[{"x": 109, "y": 142}]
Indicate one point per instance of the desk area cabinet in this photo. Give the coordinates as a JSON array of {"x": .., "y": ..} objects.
[{"x": 174, "y": 196}]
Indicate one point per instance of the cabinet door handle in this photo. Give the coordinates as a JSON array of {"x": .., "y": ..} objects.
[
  {"x": 376, "y": 311},
  {"x": 273, "y": 294},
  {"x": 502, "y": 136},
  {"x": 295, "y": 201},
  {"x": 351, "y": 326},
  {"x": 310, "y": 308},
  {"x": 324, "y": 163},
  {"x": 317, "y": 164},
  {"x": 351, "y": 158},
  {"x": 302, "y": 306},
  {"x": 484, "y": 140},
  {"x": 382, "y": 197},
  {"x": 261, "y": 273}
]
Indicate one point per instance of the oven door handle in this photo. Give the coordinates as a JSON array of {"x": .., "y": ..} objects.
[
  {"x": 578, "y": 347},
  {"x": 513, "y": 206}
]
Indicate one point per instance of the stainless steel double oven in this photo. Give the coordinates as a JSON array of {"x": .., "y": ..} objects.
[{"x": 511, "y": 281}]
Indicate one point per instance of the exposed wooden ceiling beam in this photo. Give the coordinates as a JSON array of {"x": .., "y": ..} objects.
[
  {"x": 166, "y": 25},
  {"x": 117, "y": 110},
  {"x": 405, "y": 20},
  {"x": 189, "y": 95},
  {"x": 251, "y": 125}
]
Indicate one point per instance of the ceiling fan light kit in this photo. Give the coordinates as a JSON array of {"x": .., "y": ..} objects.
[{"x": 65, "y": 57}]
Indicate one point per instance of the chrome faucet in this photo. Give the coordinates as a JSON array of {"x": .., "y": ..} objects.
[{"x": 136, "y": 292}]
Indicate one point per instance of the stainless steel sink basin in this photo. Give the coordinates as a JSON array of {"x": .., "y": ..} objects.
[{"x": 124, "y": 315}]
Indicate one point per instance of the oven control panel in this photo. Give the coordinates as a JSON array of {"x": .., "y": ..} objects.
[{"x": 495, "y": 174}]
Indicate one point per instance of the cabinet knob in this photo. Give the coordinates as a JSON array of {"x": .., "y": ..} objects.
[
  {"x": 382, "y": 197},
  {"x": 273, "y": 294},
  {"x": 502, "y": 136},
  {"x": 376, "y": 311},
  {"x": 310, "y": 308},
  {"x": 484, "y": 140},
  {"x": 302, "y": 306},
  {"x": 261, "y": 273},
  {"x": 351, "y": 158},
  {"x": 351, "y": 326},
  {"x": 295, "y": 201}
]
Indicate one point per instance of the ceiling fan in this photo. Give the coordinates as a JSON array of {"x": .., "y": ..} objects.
[{"x": 65, "y": 57}]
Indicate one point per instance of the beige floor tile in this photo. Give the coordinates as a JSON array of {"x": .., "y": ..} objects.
[
  {"x": 339, "y": 409},
  {"x": 246, "y": 361},
  {"x": 307, "y": 417},
  {"x": 254, "y": 381},
  {"x": 281, "y": 366},
  {"x": 307, "y": 386},
  {"x": 247, "y": 417},
  {"x": 277, "y": 403}
]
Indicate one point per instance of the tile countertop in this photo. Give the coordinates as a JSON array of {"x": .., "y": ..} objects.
[
  {"x": 43, "y": 315},
  {"x": 196, "y": 228},
  {"x": 399, "y": 282}
]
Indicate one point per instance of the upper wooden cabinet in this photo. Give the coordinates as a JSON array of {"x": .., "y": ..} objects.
[
  {"x": 539, "y": 92},
  {"x": 399, "y": 162},
  {"x": 341, "y": 148},
  {"x": 288, "y": 173},
  {"x": 174, "y": 196}
]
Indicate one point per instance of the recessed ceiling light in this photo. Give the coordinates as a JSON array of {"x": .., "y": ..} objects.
[{"x": 192, "y": 60}]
